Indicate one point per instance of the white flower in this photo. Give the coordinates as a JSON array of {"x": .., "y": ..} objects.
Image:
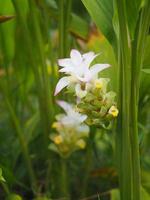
[
  {"x": 71, "y": 131},
  {"x": 78, "y": 71},
  {"x": 72, "y": 117},
  {"x": 70, "y": 124}
]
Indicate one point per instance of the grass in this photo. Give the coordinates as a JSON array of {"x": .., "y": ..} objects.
[{"x": 33, "y": 35}]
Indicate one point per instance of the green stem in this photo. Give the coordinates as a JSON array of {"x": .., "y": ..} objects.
[
  {"x": 47, "y": 90},
  {"x": 67, "y": 20},
  {"x": 5, "y": 188},
  {"x": 129, "y": 174},
  {"x": 125, "y": 163},
  {"x": 61, "y": 28},
  {"x": 64, "y": 20},
  {"x": 64, "y": 187},
  {"x": 137, "y": 60},
  {"x": 48, "y": 111},
  {"x": 88, "y": 162},
  {"x": 23, "y": 145}
]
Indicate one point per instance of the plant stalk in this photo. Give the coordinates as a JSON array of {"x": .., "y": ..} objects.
[
  {"x": 125, "y": 162},
  {"x": 23, "y": 145},
  {"x": 64, "y": 20},
  {"x": 88, "y": 161},
  {"x": 64, "y": 187},
  {"x": 137, "y": 62}
]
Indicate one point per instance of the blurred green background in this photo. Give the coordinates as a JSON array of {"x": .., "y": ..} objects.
[{"x": 39, "y": 33}]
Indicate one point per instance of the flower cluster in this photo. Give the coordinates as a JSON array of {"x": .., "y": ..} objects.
[
  {"x": 99, "y": 105},
  {"x": 71, "y": 131},
  {"x": 91, "y": 91},
  {"x": 95, "y": 105}
]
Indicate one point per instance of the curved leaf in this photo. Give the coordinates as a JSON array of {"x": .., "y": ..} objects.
[{"x": 102, "y": 13}]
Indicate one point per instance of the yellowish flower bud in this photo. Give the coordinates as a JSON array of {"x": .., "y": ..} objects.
[
  {"x": 98, "y": 84},
  {"x": 58, "y": 139},
  {"x": 55, "y": 125},
  {"x": 81, "y": 143},
  {"x": 113, "y": 111}
]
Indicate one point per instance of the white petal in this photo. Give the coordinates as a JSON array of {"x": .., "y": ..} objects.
[
  {"x": 86, "y": 76},
  {"x": 66, "y": 62},
  {"x": 88, "y": 58},
  {"x": 62, "y": 83},
  {"x": 78, "y": 118},
  {"x": 82, "y": 118},
  {"x": 66, "y": 106},
  {"x": 84, "y": 129},
  {"x": 67, "y": 69},
  {"x": 75, "y": 57},
  {"x": 86, "y": 55},
  {"x": 95, "y": 69},
  {"x": 79, "y": 92}
]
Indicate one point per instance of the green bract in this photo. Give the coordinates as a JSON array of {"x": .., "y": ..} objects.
[{"x": 99, "y": 105}]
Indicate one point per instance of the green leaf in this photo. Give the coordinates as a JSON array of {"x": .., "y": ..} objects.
[
  {"x": 115, "y": 194},
  {"x": 145, "y": 178},
  {"x": 14, "y": 197},
  {"x": 132, "y": 12},
  {"x": 102, "y": 13},
  {"x": 79, "y": 27},
  {"x": 30, "y": 127},
  {"x": 1, "y": 177},
  {"x": 144, "y": 194},
  {"x": 147, "y": 71},
  {"x": 42, "y": 198},
  {"x": 5, "y": 18},
  {"x": 7, "y": 30}
]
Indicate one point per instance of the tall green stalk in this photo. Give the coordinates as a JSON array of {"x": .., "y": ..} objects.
[
  {"x": 39, "y": 69},
  {"x": 88, "y": 161},
  {"x": 23, "y": 144},
  {"x": 137, "y": 62},
  {"x": 64, "y": 183},
  {"x": 130, "y": 64},
  {"x": 64, "y": 19},
  {"x": 48, "y": 111},
  {"x": 5, "y": 187},
  {"x": 125, "y": 171},
  {"x": 61, "y": 28}
]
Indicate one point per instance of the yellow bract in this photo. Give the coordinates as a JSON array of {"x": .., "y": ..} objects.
[
  {"x": 81, "y": 143},
  {"x": 113, "y": 111},
  {"x": 98, "y": 84},
  {"x": 54, "y": 125},
  {"x": 58, "y": 139}
]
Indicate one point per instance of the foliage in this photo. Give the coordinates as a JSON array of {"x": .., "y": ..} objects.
[{"x": 33, "y": 35}]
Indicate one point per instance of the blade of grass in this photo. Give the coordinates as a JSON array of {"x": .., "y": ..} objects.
[
  {"x": 48, "y": 109},
  {"x": 64, "y": 20},
  {"x": 22, "y": 141},
  {"x": 88, "y": 162},
  {"x": 61, "y": 28},
  {"x": 41, "y": 79},
  {"x": 125, "y": 171},
  {"x": 46, "y": 89},
  {"x": 64, "y": 187},
  {"x": 137, "y": 60}
]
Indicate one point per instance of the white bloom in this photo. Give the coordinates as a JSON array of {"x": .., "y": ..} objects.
[
  {"x": 72, "y": 117},
  {"x": 79, "y": 72}
]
